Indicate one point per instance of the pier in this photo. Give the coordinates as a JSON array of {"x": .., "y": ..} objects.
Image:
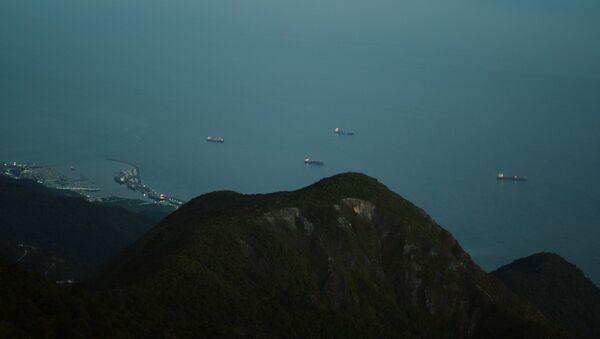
[{"x": 133, "y": 180}]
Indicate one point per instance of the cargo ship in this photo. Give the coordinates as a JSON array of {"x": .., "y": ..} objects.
[
  {"x": 502, "y": 176},
  {"x": 341, "y": 131},
  {"x": 310, "y": 161},
  {"x": 215, "y": 139}
]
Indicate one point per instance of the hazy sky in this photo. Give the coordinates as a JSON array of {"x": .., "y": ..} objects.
[{"x": 551, "y": 36}]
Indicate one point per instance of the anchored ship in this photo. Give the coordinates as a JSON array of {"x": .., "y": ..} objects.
[
  {"x": 310, "y": 161},
  {"x": 502, "y": 176},
  {"x": 215, "y": 139},
  {"x": 341, "y": 131}
]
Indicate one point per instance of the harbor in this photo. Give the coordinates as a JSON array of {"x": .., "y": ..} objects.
[
  {"x": 48, "y": 177},
  {"x": 81, "y": 185},
  {"x": 132, "y": 179}
]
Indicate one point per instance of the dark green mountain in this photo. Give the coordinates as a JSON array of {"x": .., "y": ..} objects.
[
  {"x": 559, "y": 289},
  {"x": 62, "y": 236},
  {"x": 153, "y": 211},
  {"x": 33, "y": 307},
  {"x": 344, "y": 257}
]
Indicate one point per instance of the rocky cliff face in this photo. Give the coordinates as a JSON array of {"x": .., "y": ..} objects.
[{"x": 345, "y": 257}]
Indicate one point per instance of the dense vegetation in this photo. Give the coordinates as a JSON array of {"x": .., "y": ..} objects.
[
  {"x": 155, "y": 212},
  {"x": 62, "y": 236},
  {"x": 344, "y": 257},
  {"x": 559, "y": 289},
  {"x": 33, "y": 307}
]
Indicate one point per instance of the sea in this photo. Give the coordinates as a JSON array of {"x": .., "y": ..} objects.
[{"x": 442, "y": 95}]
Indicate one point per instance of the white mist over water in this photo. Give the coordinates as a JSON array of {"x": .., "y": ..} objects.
[{"x": 442, "y": 96}]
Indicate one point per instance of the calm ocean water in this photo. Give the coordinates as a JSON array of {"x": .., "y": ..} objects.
[{"x": 441, "y": 96}]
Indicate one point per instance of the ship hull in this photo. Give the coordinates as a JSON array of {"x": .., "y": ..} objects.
[{"x": 513, "y": 179}]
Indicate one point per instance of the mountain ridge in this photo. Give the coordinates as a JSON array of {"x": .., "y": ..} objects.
[
  {"x": 345, "y": 253},
  {"x": 558, "y": 288},
  {"x": 61, "y": 234}
]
